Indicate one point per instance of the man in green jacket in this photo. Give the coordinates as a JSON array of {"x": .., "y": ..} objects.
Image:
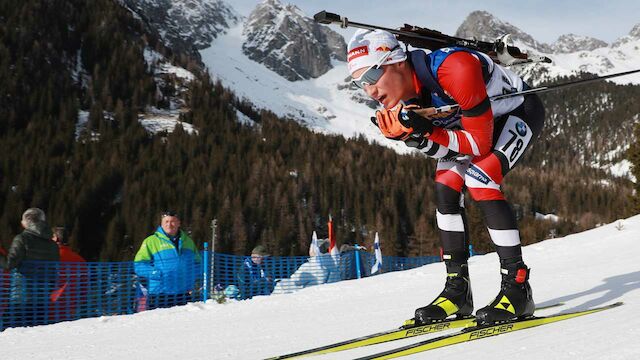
[
  {"x": 170, "y": 262},
  {"x": 35, "y": 257}
]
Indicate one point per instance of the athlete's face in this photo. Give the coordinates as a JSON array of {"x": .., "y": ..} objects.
[{"x": 395, "y": 84}]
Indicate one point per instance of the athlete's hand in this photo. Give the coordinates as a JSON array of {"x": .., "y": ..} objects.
[{"x": 402, "y": 122}]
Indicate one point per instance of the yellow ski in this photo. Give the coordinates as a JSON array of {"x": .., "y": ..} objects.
[
  {"x": 406, "y": 331},
  {"x": 482, "y": 331}
]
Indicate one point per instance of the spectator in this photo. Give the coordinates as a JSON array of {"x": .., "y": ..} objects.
[
  {"x": 34, "y": 281},
  {"x": 169, "y": 261},
  {"x": 252, "y": 278},
  {"x": 65, "y": 251},
  {"x": 71, "y": 288},
  {"x": 350, "y": 256},
  {"x": 320, "y": 269}
]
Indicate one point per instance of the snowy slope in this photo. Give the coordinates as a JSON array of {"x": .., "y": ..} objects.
[
  {"x": 318, "y": 103},
  {"x": 583, "y": 270},
  {"x": 618, "y": 57}
]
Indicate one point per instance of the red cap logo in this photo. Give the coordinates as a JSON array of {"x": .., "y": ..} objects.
[{"x": 357, "y": 52}]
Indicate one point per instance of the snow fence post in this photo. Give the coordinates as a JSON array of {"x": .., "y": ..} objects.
[
  {"x": 205, "y": 273},
  {"x": 357, "y": 255}
]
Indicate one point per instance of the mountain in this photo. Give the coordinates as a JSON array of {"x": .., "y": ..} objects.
[
  {"x": 571, "y": 54},
  {"x": 570, "y": 43},
  {"x": 482, "y": 25},
  {"x": 633, "y": 36},
  {"x": 185, "y": 24},
  {"x": 286, "y": 41}
]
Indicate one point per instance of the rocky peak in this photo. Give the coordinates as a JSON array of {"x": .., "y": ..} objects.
[
  {"x": 570, "y": 43},
  {"x": 186, "y": 24},
  {"x": 484, "y": 26},
  {"x": 634, "y": 35},
  {"x": 286, "y": 41},
  {"x": 635, "y": 32}
]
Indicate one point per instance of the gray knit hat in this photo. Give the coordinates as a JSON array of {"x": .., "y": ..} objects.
[{"x": 259, "y": 250}]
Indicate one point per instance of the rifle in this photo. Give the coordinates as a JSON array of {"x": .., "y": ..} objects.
[{"x": 425, "y": 38}]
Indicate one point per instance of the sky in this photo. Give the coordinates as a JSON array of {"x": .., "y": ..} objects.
[{"x": 545, "y": 20}]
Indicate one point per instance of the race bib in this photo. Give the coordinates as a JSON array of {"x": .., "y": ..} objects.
[{"x": 514, "y": 139}]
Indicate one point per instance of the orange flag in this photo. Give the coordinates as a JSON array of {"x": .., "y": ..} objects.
[{"x": 333, "y": 249}]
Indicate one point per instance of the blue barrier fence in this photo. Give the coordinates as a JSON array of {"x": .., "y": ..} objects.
[{"x": 42, "y": 292}]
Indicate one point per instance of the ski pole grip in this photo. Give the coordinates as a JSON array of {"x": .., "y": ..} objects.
[{"x": 324, "y": 17}]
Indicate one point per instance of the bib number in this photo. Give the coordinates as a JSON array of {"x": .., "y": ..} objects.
[{"x": 513, "y": 140}]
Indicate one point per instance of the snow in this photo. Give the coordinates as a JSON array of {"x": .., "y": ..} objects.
[
  {"x": 158, "y": 120},
  {"x": 622, "y": 169},
  {"x": 244, "y": 119},
  {"x": 623, "y": 55},
  {"x": 583, "y": 270},
  {"x": 548, "y": 217},
  {"x": 162, "y": 66},
  {"x": 83, "y": 120}
]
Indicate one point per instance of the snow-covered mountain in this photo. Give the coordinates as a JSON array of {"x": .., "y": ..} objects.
[
  {"x": 324, "y": 104},
  {"x": 186, "y": 24},
  {"x": 481, "y": 25},
  {"x": 570, "y": 43},
  {"x": 327, "y": 103},
  {"x": 571, "y": 54},
  {"x": 576, "y": 270},
  {"x": 286, "y": 41}
]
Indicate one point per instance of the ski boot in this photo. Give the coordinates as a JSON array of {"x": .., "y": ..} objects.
[
  {"x": 455, "y": 299},
  {"x": 515, "y": 299}
]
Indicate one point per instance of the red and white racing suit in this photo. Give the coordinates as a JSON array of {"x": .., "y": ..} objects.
[{"x": 476, "y": 146}]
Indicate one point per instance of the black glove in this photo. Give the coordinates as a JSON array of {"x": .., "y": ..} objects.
[
  {"x": 416, "y": 141},
  {"x": 420, "y": 125}
]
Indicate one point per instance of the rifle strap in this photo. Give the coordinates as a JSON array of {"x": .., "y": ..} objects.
[{"x": 421, "y": 65}]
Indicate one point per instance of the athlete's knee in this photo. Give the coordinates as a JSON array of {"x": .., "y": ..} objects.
[
  {"x": 447, "y": 199},
  {"x": 498, "y": 214}
]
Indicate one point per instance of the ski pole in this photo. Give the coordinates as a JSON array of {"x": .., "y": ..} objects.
[{"x": 542, "y": 89}]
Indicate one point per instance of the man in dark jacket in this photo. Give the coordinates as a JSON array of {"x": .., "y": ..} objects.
[{"x": 30, "y": 300}]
